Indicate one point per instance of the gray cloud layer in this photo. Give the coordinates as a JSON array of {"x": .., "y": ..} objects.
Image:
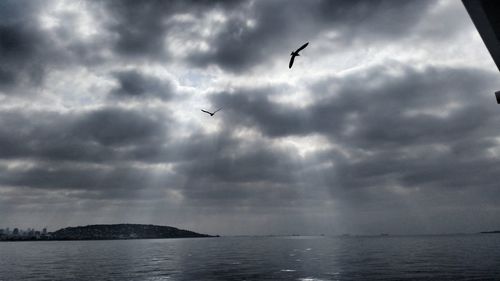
[{"x": 392, "y": 140}]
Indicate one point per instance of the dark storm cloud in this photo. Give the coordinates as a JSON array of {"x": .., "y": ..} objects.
[
  {"x": 97, "y": 152},
  {"x": 371, "y": 20},
  {"x": 134, "y": 84},
  {"x": 29, "y": 51},
  {"x": 92, "y": 152},
  {"x": 255, "y": 31},
  {"x": 142, "y": 27},
  {"x": 22, "y": 44},
  {"x": 115, "y": 127},
  {"x": 377, "y": 108},
  {"x": 93, "y": 136},
  {"x": 380, "y": 105},
  {"x": 94, "y": 182},
  {"x": 253, "y": 107},
  {"x": 393, "y": 122},
  {"x": 279, "y": 26},
  {"x": 226, "y": 172},
  {"x": 127, "y": 30},
  {"x": 244, "y": 165}
]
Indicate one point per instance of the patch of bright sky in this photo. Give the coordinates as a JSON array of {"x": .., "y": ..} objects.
[
  {"x": 158, "y": 167},
  {"x": 84, "y": 23},
  {"x": 494, "y": 151},
  {"x": 17, "y": 164},
  {"x": 304, "y": 145},
  {"x": 192, "y": 34},
  {"x": 440, "y": 111},
  {"x": 77, "y": 88}
]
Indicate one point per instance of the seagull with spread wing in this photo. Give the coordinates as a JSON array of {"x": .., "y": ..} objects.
[
  {"x": 211, "y": 113},
  {"x": 296, "y": 54}
]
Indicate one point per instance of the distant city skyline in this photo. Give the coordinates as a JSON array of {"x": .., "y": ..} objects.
[
  {"x": 23, "y": 234},
  {"x": 386, "y": 123},
  {"x": 20, "y": 230}
]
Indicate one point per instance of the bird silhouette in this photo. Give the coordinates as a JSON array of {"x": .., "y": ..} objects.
[
  {"x": 211, "y": 113},
  {"x": 296, "y": 54}
]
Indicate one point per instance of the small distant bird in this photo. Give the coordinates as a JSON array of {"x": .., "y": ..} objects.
[
  {"x": 296, "y": 54},
  {"x": 211, "y": 113}
]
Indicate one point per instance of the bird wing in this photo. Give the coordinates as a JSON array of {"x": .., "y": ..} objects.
[
  {"x": 291, "y": 61},
  {"x": 302, "y": 47},
  {"x": 217, "y": 110},
  {"x": 206, "y": 111}
]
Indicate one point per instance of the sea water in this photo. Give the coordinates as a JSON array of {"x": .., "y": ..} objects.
[{"x": 451, "y": 257}]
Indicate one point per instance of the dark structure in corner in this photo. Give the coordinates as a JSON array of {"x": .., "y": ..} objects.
[{"x": 486, "y": 17}]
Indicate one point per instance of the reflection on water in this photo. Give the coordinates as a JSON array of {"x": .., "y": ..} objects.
[{"x": 464, "y": 257}]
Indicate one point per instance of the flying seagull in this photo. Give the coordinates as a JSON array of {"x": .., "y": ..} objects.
[
  {"x": 211, "y": 113},
  {"x": 296, "y": 54}
]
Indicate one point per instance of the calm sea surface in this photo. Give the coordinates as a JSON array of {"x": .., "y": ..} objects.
[{"x": 459, "y": 257}]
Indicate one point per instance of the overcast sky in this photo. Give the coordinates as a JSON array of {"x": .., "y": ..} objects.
[{"x": 387, "y": 121}]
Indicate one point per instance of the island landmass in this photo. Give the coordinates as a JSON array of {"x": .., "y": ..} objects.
[{"x": 110, "y": 232}]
